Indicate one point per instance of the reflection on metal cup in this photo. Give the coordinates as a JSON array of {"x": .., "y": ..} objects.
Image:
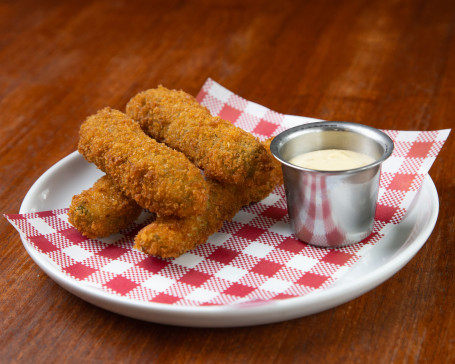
[{"x": 331, "y": 208}]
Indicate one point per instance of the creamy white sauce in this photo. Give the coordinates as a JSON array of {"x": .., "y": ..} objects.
[{"x": 331, "y": 160}]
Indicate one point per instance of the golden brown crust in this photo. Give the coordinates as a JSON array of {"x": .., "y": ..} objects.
[
  {"x": 156, "y": 177},
  {"x": 225, "y": 152},
  {"x": 102, "y": 210},
  {"x": 265, "y": 183},
  {"x": 168, "y": 236}
]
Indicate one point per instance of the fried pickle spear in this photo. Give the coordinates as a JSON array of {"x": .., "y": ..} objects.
[
  {"x": 170, "y": 236},
  {"x": 155, "y": 176},
  {"x": 225, "y": 152},
  {"x": 102, "y": 210}
]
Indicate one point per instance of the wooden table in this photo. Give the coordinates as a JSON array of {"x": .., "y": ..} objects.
[{"x": 390, "y": 64}]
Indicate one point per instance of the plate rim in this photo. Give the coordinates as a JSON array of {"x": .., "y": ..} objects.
[{"x": 234, "y": 314}]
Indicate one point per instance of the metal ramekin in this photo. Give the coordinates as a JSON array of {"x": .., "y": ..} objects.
[{"x": 331, "y": 208}]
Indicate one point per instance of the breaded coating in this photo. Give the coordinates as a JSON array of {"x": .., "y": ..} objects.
[
  {"x": 263, "y": 184},
  {"x": 102, "y": 210},
  {"x": 169, "y": 236},
  {"x": 158, "y": 178},
  {"x": 225, "y": 152}
]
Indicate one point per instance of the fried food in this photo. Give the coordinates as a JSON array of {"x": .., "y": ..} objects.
[
  {"x": 169, "y": 236},
  {"x": 263, "y": 184},
  {"x": 225, "y": 152},
  {"x": 158, "y": 178},
  {"x": 189, "y": 207},
  {"x": 102, "y": 210}
]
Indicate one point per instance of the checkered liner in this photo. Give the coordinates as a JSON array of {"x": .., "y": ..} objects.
[{"x": 252, "y": 258}]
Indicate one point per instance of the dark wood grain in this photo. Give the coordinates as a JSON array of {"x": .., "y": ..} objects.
[{"x": 388, "y": 63}]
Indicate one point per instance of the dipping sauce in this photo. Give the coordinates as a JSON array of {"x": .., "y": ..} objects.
[{"x": 331, "y": 160}]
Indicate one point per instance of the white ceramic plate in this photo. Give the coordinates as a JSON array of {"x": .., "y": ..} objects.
[{"x": 55, "y": 188}]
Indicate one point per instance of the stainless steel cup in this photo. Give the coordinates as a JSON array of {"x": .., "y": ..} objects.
[{"x": 331, "y": 208}]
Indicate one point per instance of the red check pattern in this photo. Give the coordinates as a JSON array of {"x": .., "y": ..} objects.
[{"x": 254, "y": 257}]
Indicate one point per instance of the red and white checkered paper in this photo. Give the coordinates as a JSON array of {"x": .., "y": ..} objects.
[{"x": 254, "y": 257}]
